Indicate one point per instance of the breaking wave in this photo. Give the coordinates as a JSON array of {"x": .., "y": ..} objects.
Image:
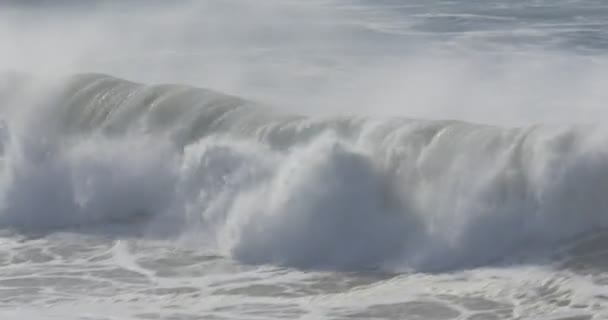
[{"x": 263, "y": 186}]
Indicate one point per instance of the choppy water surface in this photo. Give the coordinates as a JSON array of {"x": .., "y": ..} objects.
[{"x": 426, "y": 160}]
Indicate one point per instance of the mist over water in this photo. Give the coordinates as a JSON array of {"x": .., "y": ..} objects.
[
  {"x": 486, "y": 62},
  {"x": 430, "y": 159}
]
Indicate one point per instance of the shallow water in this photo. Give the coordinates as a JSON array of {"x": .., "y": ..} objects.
[{"x": 91, "y": 277}]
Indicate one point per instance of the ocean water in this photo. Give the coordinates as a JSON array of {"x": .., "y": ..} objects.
[{"x": 326, "y": 159}]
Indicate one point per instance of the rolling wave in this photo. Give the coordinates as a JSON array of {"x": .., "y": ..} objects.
[{"x": 264, "y": 186}]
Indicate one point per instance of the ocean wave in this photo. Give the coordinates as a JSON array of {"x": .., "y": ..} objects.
[{"x": 266, "y": 187}]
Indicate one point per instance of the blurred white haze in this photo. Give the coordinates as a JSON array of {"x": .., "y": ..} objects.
[{"x": 511, "y": 63}]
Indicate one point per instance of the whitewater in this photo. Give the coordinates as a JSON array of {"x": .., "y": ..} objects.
[{"x": 304, "y": 160}]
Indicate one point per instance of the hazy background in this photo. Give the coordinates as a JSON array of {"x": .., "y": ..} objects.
[{"x": 509, "y": 63}]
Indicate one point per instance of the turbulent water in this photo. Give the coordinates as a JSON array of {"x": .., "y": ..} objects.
[{"x": 369, "y": 160}]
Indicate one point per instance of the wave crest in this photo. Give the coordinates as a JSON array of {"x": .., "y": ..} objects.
[{"x": 263, "y": 186}]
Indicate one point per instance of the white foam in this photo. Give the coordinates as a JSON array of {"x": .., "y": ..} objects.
[{"x": 333, "y": 193}]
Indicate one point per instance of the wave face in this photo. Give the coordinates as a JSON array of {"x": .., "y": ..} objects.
[{"x": 249, "y": 182}]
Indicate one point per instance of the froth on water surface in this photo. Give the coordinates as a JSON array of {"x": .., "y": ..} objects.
[{"x": 134, "y": 279}]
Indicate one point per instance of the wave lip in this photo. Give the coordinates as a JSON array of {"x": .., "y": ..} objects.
[{"x": 263, "y": 186}]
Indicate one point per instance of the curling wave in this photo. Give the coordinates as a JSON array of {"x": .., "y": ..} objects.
[{"x": 263, "y": 186}]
